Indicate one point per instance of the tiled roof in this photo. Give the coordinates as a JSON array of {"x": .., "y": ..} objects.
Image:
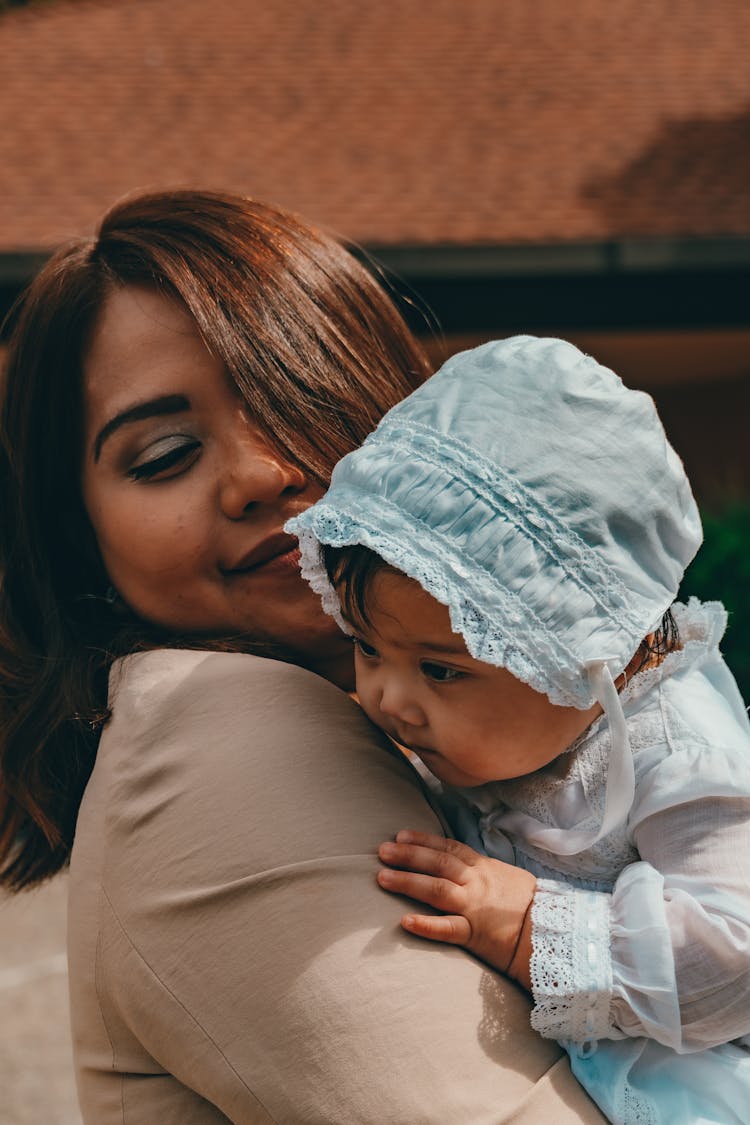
[{"x": 391, "y": 121}]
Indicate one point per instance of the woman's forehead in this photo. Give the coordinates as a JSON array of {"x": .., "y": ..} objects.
[
  {"x": 143, "y": 342},
  {"x": 136, "y": 322}
]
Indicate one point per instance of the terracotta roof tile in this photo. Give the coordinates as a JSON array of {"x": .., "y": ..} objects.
[{"x": 464, "y": 121}]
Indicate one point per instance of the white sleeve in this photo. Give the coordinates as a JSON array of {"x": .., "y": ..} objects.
[{"x": 667, "y": 953}]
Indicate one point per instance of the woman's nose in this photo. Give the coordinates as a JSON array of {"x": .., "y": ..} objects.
[{"x": 256, "y": 474}]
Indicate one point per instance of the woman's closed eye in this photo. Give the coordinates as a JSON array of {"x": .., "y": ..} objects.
[
  {"x": 166, "y": 459},
  {"x": 440, "y": 673}
]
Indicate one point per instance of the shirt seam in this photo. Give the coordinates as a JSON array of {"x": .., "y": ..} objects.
[{"x": 190, "y": 1015}]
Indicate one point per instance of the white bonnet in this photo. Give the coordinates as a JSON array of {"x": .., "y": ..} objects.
[{"x": 527, "y": 489}]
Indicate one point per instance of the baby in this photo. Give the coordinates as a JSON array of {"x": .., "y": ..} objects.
[{"x": 504, "y": 551}]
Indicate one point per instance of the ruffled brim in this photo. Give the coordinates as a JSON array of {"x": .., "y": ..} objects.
[{"x": 496, "y": 626}]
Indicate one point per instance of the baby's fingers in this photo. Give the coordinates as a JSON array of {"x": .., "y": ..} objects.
[
  {"x": 439, "y": 844},
  {"x": 442, "y": 894},
  {"x": 427, "y": 860},
  {"x": 451, "y": 928}
]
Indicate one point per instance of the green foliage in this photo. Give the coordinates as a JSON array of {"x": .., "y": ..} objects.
[{"x": 721, "y": 572}]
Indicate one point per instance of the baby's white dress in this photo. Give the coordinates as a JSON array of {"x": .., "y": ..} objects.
[{"x": 641, "y": 944}]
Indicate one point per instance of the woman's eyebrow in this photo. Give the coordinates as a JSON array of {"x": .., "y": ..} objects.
[{"x": 152, "y": 408}]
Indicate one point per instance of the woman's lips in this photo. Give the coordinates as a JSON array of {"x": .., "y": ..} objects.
[
  {"x": 284, "y": 564},
  {"x": 277, "y": 551}
]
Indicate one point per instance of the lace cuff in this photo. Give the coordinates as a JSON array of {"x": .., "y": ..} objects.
[{"x": 571, "y": 970}]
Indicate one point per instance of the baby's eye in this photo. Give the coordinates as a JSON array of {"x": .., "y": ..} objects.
[
  {"x": 165, "y": 460},
  {"x": 439, "y": 673},
  {"x": 364, "y": 649}
]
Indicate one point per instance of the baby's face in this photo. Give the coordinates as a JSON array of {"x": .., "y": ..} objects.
[{"x": 469, "y": 722}]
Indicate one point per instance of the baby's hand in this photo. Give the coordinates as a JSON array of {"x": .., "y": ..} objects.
[{"x": 485, "y": 902}]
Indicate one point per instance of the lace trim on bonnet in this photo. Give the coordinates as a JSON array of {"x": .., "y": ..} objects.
[
  {"x": 511, "y": 499},
  {"x": 700, "y": 625},
  {"x": 451, "y": 460},
  {"x": 475, "y": 598},
  {"x": 465, "y": 601}
]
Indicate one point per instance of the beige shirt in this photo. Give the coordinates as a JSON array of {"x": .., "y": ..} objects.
[{"x": 231, "y": 955}]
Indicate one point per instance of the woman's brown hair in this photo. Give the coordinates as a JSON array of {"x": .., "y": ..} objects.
[{"x": 314, "y": 345}]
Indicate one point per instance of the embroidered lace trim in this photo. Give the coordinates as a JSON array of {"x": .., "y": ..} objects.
[
  {"x": 511, "y": 499},
  {"x": 701, "y": 626},
  {"x": 517, "y": 640},
  {"x": 571, "y": 972},
  {"x": 634, "y": 1108},
  {"x": 627, "y": 1106},
  {"x": 547, "y": 797},
  {"x": 537, "y": 656}
]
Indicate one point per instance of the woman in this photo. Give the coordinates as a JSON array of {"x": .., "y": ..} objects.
[{"x": 175, "y": 390}]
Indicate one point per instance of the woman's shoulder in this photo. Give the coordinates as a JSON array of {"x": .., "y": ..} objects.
[
  {"x": 190, "y": 696},
  {"x": 208, "y": 771},
  {"x": 144, "y": 681},
  {"x": 188, "y": 727},
  {"x": 193, "y": 739}
]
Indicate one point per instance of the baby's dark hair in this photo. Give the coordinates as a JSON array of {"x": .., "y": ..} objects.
[
  {"x": 351, "y": 571},
  {"x": 659, "y": 644}
]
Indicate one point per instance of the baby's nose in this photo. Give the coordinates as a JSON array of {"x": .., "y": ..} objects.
[{"x": 398, "y": 702}]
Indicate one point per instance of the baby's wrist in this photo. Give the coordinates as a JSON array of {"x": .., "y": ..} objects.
[
  {"x": 519, "y": 967},
  {"x": 506, "y": 917}
]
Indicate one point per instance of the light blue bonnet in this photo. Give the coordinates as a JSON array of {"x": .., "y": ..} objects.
[{"x": 533, "y": 494}]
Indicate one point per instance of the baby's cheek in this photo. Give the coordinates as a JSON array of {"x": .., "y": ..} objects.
[{"x": 486, "y": 758}]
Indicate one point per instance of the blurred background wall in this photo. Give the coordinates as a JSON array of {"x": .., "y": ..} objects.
[{"x": 573, "y": 167}]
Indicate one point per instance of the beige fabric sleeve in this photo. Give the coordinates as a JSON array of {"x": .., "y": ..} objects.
[{"x": 231, "y": 956}]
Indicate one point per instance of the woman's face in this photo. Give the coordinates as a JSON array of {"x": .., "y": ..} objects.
[{"x": 186, "y": 498}]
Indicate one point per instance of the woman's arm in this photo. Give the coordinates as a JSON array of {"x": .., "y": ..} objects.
[{"x": 231, "y": 952}]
